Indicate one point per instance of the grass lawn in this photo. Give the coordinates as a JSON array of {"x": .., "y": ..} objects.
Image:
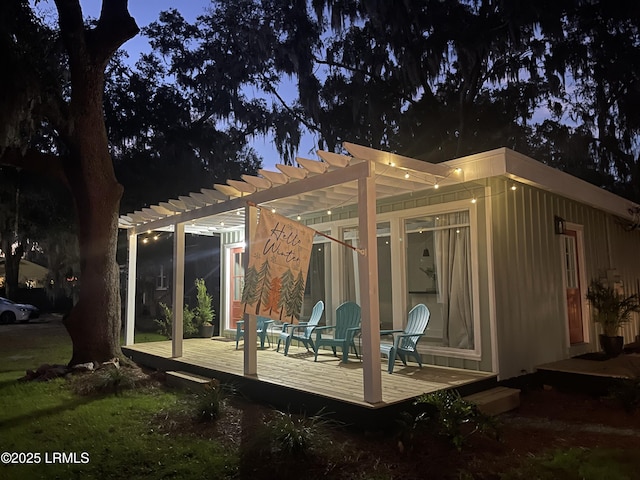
[
  {"x": 151, "y": 432},
  {"x": 108, "y": 436}
]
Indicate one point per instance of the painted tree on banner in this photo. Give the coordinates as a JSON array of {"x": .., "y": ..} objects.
[{"x": 277, "y": 271}]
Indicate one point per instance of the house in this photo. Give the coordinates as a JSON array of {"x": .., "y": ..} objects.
[
  {"x": 30, "y": 275},
  {"x": 499, "y": 246}
]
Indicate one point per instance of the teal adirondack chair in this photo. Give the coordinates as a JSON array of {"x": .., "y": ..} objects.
[
  {"x": 347, "y": 326},
  {"x": 301, "y": 331},
  {"x": 262, "y": 323},
  {"x": 405, "y": 342}
]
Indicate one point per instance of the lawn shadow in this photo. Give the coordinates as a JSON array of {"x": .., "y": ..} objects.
[{"x": 46, "y": 412}]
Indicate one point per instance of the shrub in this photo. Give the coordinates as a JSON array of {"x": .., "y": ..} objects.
[
  {"x": 295, "y": 435},
  {"x": 204, "y": 312},
  {"x": 452, "y": 417},
  {"x": 209, "y": 404},
  {"x": 165, "y": 322}
]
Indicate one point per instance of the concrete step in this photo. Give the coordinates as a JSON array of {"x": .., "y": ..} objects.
[
  {"x": 187, "y": 381},
  {"x": 496, "y": 400}
]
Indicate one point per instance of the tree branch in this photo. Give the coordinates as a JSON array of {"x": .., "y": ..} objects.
[
  {"x": 42, "y": 163},
  {"x": 115, "y": 27}
]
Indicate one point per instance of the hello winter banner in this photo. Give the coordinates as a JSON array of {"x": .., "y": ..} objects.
[{"x": 277, "y": 272}]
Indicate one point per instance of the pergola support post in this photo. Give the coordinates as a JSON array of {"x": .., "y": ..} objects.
[
  {"x": 368, "y": 279},
  {"x": 130, "y": 315},
  {"x": 177, "y": 330},
  {"x": 250, "y": 321}
]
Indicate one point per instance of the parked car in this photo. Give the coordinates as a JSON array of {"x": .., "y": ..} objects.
[{"x": 12, "y": 311}]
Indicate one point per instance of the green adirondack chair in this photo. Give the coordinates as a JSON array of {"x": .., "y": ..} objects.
[
  {"x": 262, "y": 324},
  {"x": 405, "y": 342},
  {"x": 347, "y": 326},
  {"x": 301, "y": 331}
]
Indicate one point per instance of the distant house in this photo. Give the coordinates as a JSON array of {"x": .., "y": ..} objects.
[
  {"x": 30, "y": 275},
  {"x": 500, "y": 247}
]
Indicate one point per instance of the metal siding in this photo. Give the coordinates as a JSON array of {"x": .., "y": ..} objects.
[
  {"x": 529, "y": 313},
  {"x": 530, "y": 301}
]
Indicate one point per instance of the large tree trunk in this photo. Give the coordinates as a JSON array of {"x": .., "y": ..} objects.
[{"x": 94, "y": 322}]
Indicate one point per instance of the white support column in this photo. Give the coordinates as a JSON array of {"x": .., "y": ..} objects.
[
  {"x": 368, "y": 267},
  {"x": 130, "y": 317},
  {"x": 398, "y": 273},
  {"x": 250, "y": 321},
  {"x": 178, "y": 290}
]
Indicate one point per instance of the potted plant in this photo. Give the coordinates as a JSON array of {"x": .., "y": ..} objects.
[
  {"x": 611, "y": 310},
  {"x": 204, "y": 313}
]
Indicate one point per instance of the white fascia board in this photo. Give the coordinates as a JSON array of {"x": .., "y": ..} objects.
[
  {"x": 536, "y": 173},
  {"x": 519, "y": 167}
]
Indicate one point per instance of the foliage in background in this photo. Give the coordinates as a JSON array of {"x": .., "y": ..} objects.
[{"x": 554, "y": 80}]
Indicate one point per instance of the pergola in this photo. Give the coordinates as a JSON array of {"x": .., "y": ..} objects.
[{"x": 331, "y": 183}]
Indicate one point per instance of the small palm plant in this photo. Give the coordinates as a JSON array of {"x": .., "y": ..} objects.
[{"x": 612, "y": 309}]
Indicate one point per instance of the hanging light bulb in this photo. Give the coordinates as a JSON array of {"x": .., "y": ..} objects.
[
  {"x": 328, "y": 212},
  {"x": 406, "y": 175},
  {"x": 474, "y": 200}
]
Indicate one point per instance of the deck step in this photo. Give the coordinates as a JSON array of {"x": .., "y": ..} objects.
[
  {"x": 187, "y": 381},
  {"x": 496, "y": 400}
]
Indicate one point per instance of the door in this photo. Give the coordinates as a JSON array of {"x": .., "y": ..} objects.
[
  {"x": 236, "y": 283},
  {"x": 574, "y": 294}
]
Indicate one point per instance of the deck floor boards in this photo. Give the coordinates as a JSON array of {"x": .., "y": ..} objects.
[{"x": 327, "y": 377}]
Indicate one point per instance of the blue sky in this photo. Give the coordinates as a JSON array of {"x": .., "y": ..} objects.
[{"x": 147, "y": 11}]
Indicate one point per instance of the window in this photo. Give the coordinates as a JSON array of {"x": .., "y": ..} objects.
[
  {"x": 318, "y": 285},
  {"x": 350, "y": 272},
  {"x": 439, "y": 274},
  {"x": 161, "y": 279}
]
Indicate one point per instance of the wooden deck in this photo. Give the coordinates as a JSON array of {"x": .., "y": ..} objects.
[
  {"x": 594, "y": 374},
  {"x": 298, "y": 381}
]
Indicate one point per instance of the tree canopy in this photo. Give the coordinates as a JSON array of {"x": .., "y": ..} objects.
[{"x": 433, "y": 80}]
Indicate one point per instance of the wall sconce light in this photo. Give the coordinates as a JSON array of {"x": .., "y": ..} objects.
[{"x": 559, "y": 225}]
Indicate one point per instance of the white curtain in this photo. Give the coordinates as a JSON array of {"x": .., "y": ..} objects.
[{"x": 453, "y": 272}]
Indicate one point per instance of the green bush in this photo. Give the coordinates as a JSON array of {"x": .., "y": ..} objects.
[
  {"x": 452, "y": 416},
  {"x": 165, "y": 322},
  {"x": 204, "y": 312},
  {"x": 295, "y": 435},
  {"x": 210, "y": 403}
]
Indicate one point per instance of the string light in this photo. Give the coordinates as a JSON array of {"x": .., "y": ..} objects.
[
  {"x": 474, "y": 200},
  {"x": 514, "y": 187},
  {"x": 436, "y": 186},
  {"x": 328, "y": 212},
  {"x": 406, "y": 175},
  {"x": 299, "y": 218},
  {"x": 273, "y": 210}
]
